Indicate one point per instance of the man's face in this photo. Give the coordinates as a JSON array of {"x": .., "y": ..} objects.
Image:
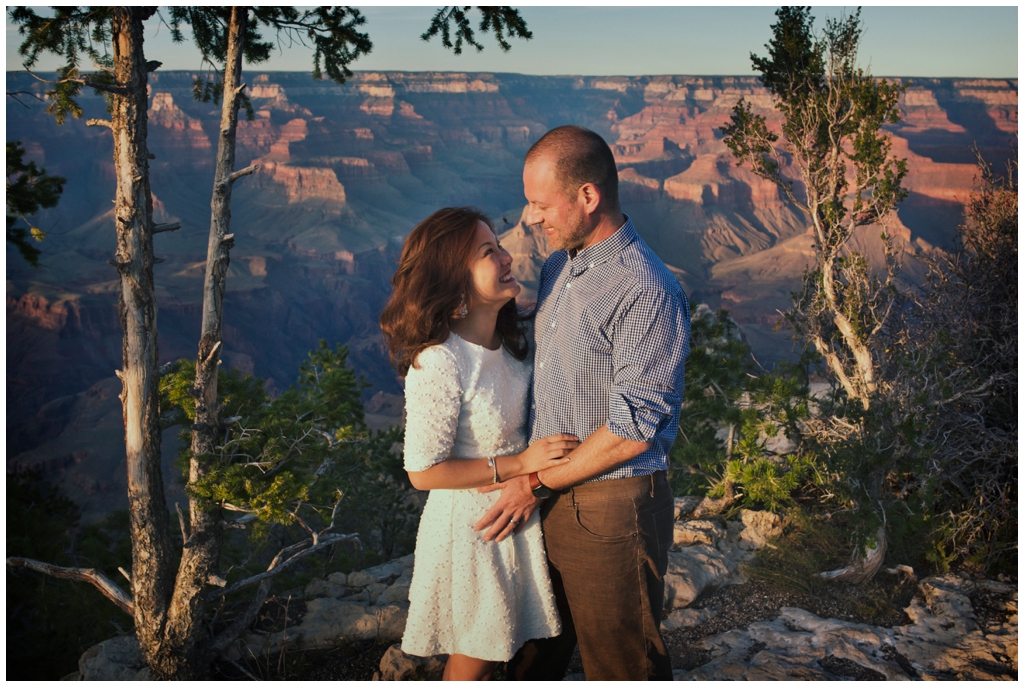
[{"x": 560, "y": 215}]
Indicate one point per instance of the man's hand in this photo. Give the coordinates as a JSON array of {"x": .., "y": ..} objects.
[{"x": 511, "y": 511}]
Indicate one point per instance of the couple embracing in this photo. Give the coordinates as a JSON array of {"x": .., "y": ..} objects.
[{"x": 563, "y": 442}]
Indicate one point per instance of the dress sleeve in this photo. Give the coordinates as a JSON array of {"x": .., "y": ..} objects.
[{"x": 433, "y": 399}]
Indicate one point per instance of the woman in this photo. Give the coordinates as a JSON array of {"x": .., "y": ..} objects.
[{"x": 452, "y": 329}]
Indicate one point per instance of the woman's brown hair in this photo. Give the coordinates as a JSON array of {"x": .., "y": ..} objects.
[{"x": 429, "y": 286}]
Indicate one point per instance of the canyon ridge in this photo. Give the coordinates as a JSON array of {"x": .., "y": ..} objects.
[{"x": 348, "y": 170}]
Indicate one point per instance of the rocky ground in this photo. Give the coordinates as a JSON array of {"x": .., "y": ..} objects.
[
  {"x": 733, "y": 607},
  {"x": 718, "y": 623}
]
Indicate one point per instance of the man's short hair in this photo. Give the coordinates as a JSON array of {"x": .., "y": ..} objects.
[{"x": 581, "y": 157}]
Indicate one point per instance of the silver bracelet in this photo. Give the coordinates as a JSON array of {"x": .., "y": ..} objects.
[{"x": 493, "y": 462}]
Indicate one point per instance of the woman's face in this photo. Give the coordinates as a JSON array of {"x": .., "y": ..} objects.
[{"x": 490, "y": 267}]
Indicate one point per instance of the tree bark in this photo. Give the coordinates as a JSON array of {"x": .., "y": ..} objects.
[
  {"x": 152, "y": 555},
  {"x": 188, "y": 646}
]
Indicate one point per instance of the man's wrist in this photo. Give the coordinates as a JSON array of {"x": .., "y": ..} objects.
[{"x": 537, "y": 487}]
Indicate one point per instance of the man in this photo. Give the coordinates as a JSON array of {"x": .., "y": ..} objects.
[{"x": 612, "y": 334}]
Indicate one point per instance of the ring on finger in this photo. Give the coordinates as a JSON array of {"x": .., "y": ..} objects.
[{"x": 513, "y": 522}]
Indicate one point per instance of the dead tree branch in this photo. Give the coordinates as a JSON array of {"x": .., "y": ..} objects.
[
  {"x": 90, "y": 575},
  {"x": 325, "y": 541}
]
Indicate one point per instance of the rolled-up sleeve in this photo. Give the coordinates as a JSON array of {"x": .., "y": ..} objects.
[
  {"x": 433, "y": 399},
  {"x": 651, "y": 341}
]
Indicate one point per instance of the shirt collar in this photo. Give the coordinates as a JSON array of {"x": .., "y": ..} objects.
[{"x": 605, "y": 250}]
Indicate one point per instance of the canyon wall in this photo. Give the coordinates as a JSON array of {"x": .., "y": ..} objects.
[{"x": 346, "y": 172}]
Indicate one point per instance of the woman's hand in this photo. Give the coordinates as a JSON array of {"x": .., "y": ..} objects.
[{"x": 548, "y": 452}]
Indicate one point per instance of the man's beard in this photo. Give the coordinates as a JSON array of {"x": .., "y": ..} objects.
[{"x": 571, "y": 239}]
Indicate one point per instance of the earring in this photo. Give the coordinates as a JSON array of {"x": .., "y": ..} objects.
[{"x": 462, "y": 310}]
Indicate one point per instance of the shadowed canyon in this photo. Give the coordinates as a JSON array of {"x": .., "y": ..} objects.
[{"x": 345, "y": 173}]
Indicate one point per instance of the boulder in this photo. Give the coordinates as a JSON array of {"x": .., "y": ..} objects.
[
  {"x": 329, "y": 620},
  {"x": 398, "y": 592},
  {"x": 119, "y": 658},
  {"x": 692, "y": 570},
  {"x": 374, "y": 590},
  {"x": 383, "y": 573},
  {"x": 320, "y": 587},
  {"x": 360, "y": 579},
  {"x": 690, "y": 532},
  {"x": 398, "y": 665},
  {"x": 758, "y": 527}
]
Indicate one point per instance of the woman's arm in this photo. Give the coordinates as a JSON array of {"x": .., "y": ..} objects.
[
  {"x": 463, "y": 473},
  {"x": 468, "y": 473}
]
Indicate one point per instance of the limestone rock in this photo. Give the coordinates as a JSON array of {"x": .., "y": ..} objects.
[
  {"x": 360, "y": 579},
  {"x": 691, "y": 571},
  {"x": 690, "y": 532},
  {"x": 362, "y": 597},
  {"x": 320, "y": 587},
  {"x": 374, "y": 590},
  {"x": 684, "y": 505},
  {"x": 942, "y": 643},
  {"x": 385, "y": 572},
  {"x": 945, "y": 641},
  {"x": 686, "y": 617},
  {"x": 328, "y": 620},
  {"x": 119, "y": 658},
  {"x": 759, "y": 526},
  {"x": 397, "y": 593},
  {"x": 398, "y": 665},
  {"x": 735, "y": 555}
]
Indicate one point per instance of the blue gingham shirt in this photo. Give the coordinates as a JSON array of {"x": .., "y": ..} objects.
[{"x": 612, "y": 335}]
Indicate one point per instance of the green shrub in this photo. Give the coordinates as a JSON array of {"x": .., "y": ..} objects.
[{"x": 731, "y": 412}]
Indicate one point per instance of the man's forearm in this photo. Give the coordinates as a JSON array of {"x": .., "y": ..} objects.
[{"x": 601, "y": 452}]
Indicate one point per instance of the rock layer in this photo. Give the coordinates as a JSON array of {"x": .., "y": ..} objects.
[{"x": 347, "y": 170}]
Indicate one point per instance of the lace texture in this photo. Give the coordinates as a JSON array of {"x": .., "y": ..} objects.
[{"x": 469, "y": 596}]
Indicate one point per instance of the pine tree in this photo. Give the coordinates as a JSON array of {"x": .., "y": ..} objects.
[{"x": 845, "y": 178}]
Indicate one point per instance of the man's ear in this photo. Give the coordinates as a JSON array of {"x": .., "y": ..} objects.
[{"x": 589, "y": 196}]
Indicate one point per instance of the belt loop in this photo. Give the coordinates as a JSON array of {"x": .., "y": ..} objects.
[{"x": 652, "y": 485}]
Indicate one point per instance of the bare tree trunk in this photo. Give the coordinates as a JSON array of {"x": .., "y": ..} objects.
[
  {"x": 152, "y": 556},
  {"x": 863, "y": 383},
  {"x": 188, "y": 646}
]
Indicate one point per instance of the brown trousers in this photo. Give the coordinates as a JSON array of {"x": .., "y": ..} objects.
[{"x": 607, "y": 546}]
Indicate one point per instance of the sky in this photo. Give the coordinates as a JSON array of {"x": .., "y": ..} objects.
[{"x": 615, "y": 40}]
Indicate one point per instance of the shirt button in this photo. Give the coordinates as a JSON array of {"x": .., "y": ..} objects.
[
  {"x": 540, "y": 365},
  {"x": 568, "y": 286}
]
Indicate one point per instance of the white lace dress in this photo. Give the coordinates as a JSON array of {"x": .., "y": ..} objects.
[{"x": 469, "y": 596}]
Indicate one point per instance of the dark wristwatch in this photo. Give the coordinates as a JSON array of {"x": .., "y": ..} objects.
[{"x": 537, "y": 487}]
